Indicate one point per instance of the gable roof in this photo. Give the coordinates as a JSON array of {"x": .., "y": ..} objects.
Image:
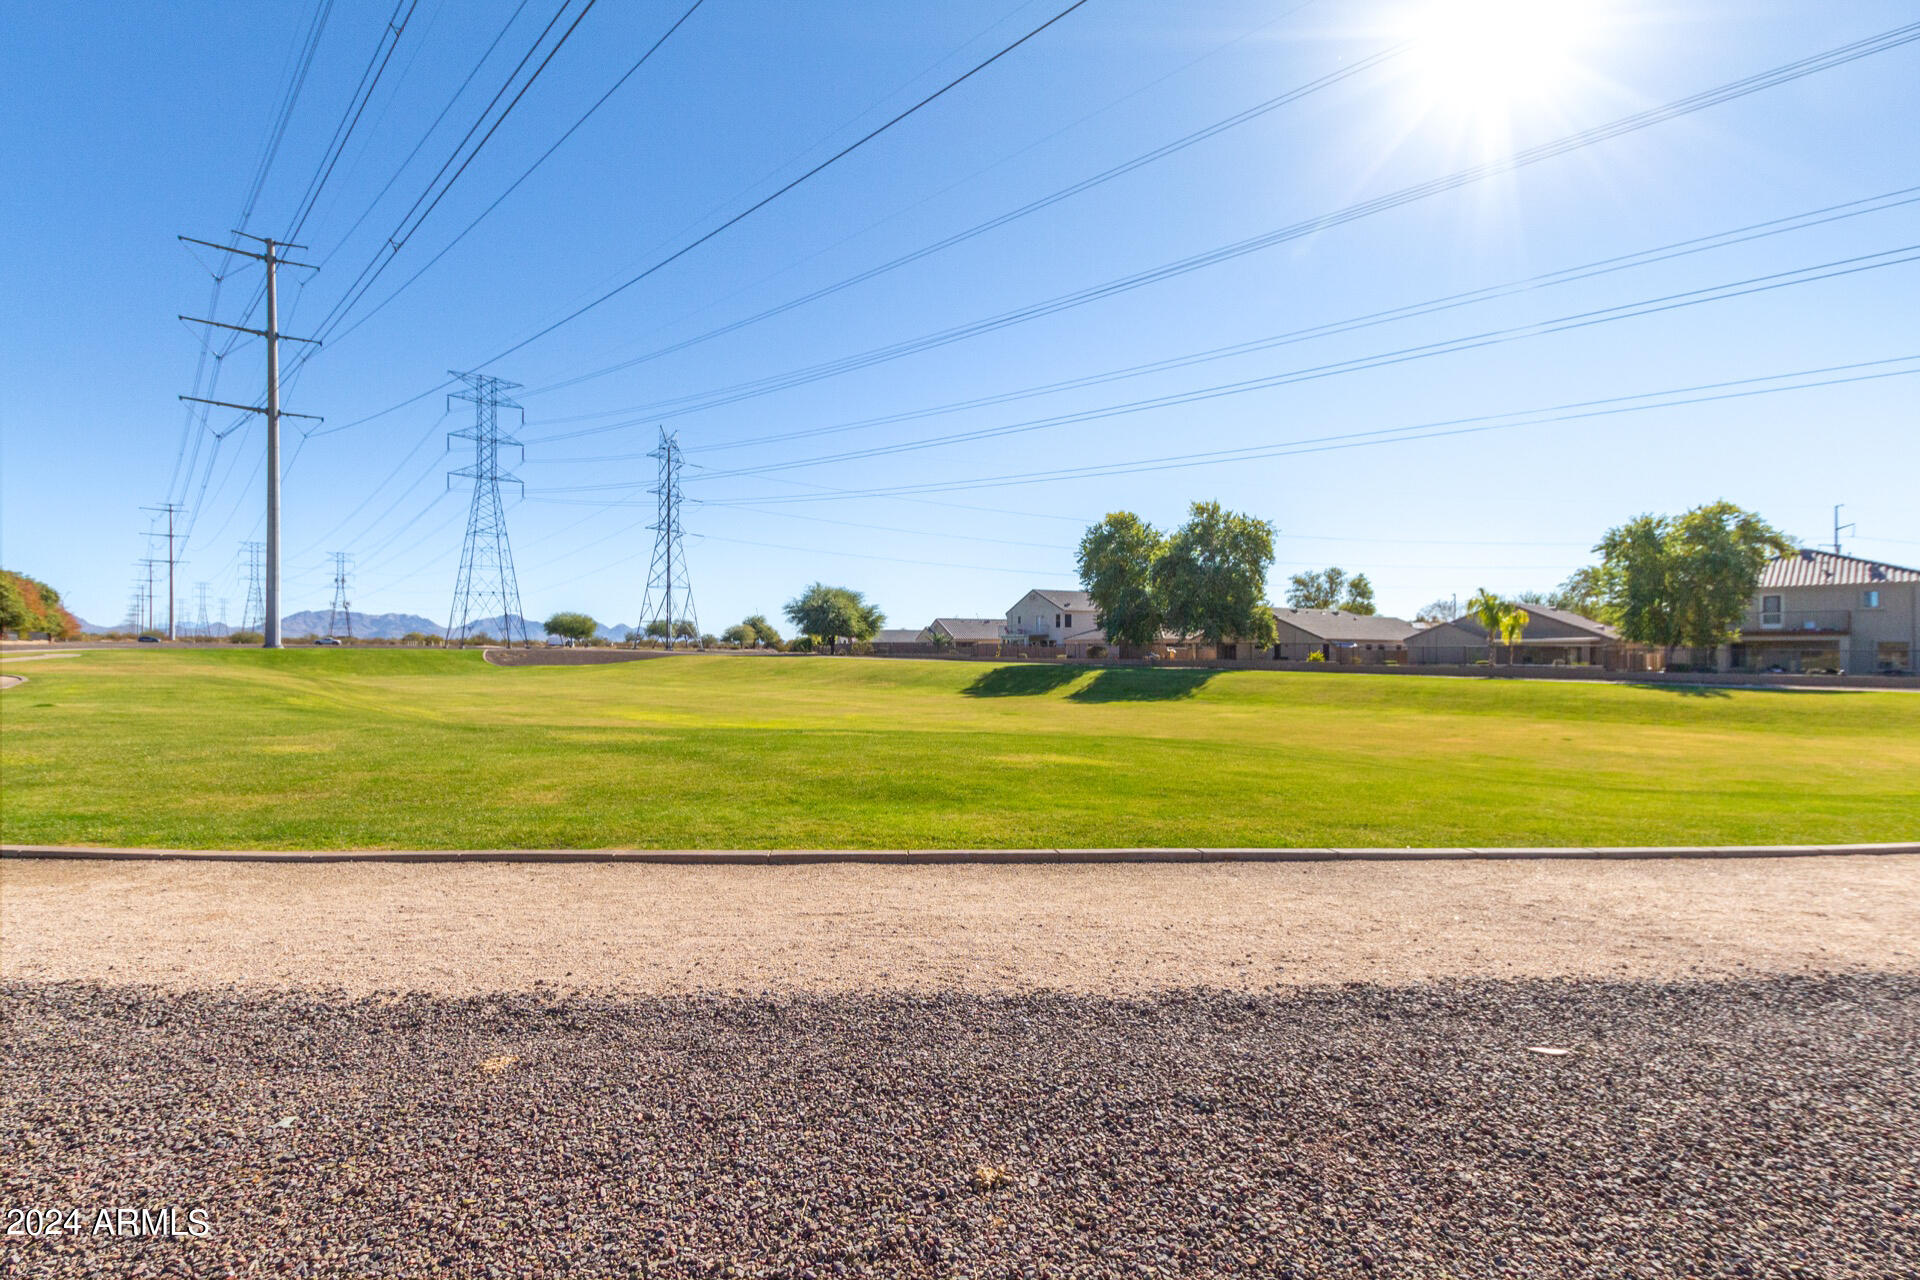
[
  {"x": 1339, "y": 625},
  {"x": 1810, "y": 568},
  {"x": 898, "y": 635},
  {"x": 1065, "y": 601},
  {"x": 1541, "y": 613},
  {"x": 970, "y": 628}
]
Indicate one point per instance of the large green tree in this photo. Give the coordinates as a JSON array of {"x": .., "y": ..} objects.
[
  {"x": 572, "y": 626},
  {"x": 1211, "y": 579},
  {"x": 1116, "y": 560},
  {"x": 1584, "y": 592},
  {"x": 1331, "y": 589},
  {"x": 828, "y": 613},
  {"x": 1686, "y": 580},
  {"x": 28, "y": 605}
]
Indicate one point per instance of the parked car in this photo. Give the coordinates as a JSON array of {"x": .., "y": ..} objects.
[{"x": 327, "y": 640}]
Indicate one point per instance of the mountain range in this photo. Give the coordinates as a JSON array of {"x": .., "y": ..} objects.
[{"x": 383, "y": 626}]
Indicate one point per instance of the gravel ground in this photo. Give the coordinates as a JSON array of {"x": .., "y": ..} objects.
[
  {"x": 1104, "y": 930},
  {"x": 1759, "y": 1127}
]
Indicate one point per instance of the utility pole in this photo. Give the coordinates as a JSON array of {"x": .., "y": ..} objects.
[
  {"x": 149, "y": 562},
  {"x": 170, "y": 510},
  {"x": 271, "y": 258},
  {"x": 1839, "y": 528}
]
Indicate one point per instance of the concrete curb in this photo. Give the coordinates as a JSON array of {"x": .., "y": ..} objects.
[{"x": 948, "y": 857}]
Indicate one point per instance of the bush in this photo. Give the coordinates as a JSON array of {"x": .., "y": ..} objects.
[
  {"x": 1316, "y": 656},
  {"x": 245, "y": 637}
]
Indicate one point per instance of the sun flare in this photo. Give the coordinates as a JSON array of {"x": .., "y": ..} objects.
[{"x": 1491, "y": 57}]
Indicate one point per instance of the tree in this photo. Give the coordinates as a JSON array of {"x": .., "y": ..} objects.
[
  {"x": 1498, "y": 618},
  {"x": 1513, "y": 625},
  {"x": 738, "y": 636},
  {"x": 829, "y": 613},
  {"x": 1686, "y": 580},
  {"x": 1330, "y": 589},
  {"x": 1445, "y": 609},
  {"x": 1116, "y": 561},
  {"x": 1211, "y": 579},
  {"x": 683, "y": 629},
  {"x": 762, "y": 630},
  {"x": 28, "y": 605},
  {"x": 1584, "y": 592},
  {"x": 658, "y": 629},
  {"x": 572, "y": 626}
]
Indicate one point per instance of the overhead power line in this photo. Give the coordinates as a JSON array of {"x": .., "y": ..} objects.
[
  {"x": 1551, "y": 279},
  {"x": 1402, "y": 355},
  {"x": 1174, "y": 147},
  {"x": 1734, "y": 389},
  {"x": 1701, "y": 101}
]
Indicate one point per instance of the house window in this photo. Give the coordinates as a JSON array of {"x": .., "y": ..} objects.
[
  {"x": 1869, "y": 599},
  {"x": 1770, "y": 615},
  {"x": 1056, "y": 619},
  {"x": 1070, "y": 616}
]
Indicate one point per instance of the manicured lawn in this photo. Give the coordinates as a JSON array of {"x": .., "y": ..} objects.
[{"x": 372, "y": 748}]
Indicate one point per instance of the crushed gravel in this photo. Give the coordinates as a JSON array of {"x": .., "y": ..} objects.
[{"x": 1756, "y": 1127}]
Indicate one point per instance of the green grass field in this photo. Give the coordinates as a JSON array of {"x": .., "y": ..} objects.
[{"x": 371, "y": 748}]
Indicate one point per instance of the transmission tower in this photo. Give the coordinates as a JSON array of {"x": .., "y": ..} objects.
[
  {"x": 172, "y": 511},
  {"x": 202, "y": 626},
  {"x": 486, "y": 578},
  {"x": 669, "y": 595},
  {"x": 223, "y": 617},
  {"x": 342, "y": 612},
  {"x": 253, "y": 615}
]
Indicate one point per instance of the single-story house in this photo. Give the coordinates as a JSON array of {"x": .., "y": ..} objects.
[
  {"x": 1553, "y": 637},
  {"x": 1821, "y": 611},
  {"x": 965, "y": 634},
  {"x": 1339, "y": 636}
]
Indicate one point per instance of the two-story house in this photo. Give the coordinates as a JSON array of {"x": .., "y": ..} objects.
[
  {"x": 1052, "y": 618},
  {"x": 1818, "y": 611}
]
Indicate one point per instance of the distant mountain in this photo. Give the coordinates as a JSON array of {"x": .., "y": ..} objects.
[{"x": 369, "y": 626}]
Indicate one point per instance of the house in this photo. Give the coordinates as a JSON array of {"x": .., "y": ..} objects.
[
  {"x": 965, "y": 634},
  {"x": 1043, "y": 617},
  {"x": 1822, "y": 611},
  {"x": 1553, "y": 637},
  {"x": 1338, "y": 636}
]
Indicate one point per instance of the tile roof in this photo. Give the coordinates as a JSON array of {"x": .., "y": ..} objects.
[
  {"x": 1537, "y": 612},
  {"x": 1339, "y": 625},
  {"x": 1809, "y": 568},
  {"x": 898, "y": 635}
]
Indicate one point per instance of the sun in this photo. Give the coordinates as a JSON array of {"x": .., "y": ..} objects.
[{"x": 1491, "y": 58}]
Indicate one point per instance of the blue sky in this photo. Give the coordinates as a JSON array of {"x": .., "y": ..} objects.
[{"x": 136, "y": 123}]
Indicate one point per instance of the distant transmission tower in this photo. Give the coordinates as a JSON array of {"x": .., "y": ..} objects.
[
  {"x": 223, "y": 616},
  {"x": 202, "y": 626},
  {"x": 669, "y": 595},
  {"x": 342, "y": 613},
  {"x": 253, "y": 615},
  {"x": 486, "y": 580}
]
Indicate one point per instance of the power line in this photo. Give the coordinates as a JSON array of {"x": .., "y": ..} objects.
[
  {"x": 1701, "y": 101},
  {"x": 1566, "y": 275},
  {"x": 525, "y": 174},
  {"x": 978, "y": 229},
  {"x": 762, "y": 203},
  {"x": 1734, "y": 389},
  {"x": 1401, "y": 355}
]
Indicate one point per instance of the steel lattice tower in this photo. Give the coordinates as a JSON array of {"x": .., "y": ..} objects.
[
  {"x": 341, "y": 611},
  {"x": 486, "y": 578},
  {"x": 669, "y": 594},
  {"x": 202, "y": 626},
  {"x": 253, "y": 617}
]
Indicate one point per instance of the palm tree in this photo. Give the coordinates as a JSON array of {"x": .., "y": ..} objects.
[
  {"x": 1513, "y": 625},
  {"x": 1488, "y": 610}
]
